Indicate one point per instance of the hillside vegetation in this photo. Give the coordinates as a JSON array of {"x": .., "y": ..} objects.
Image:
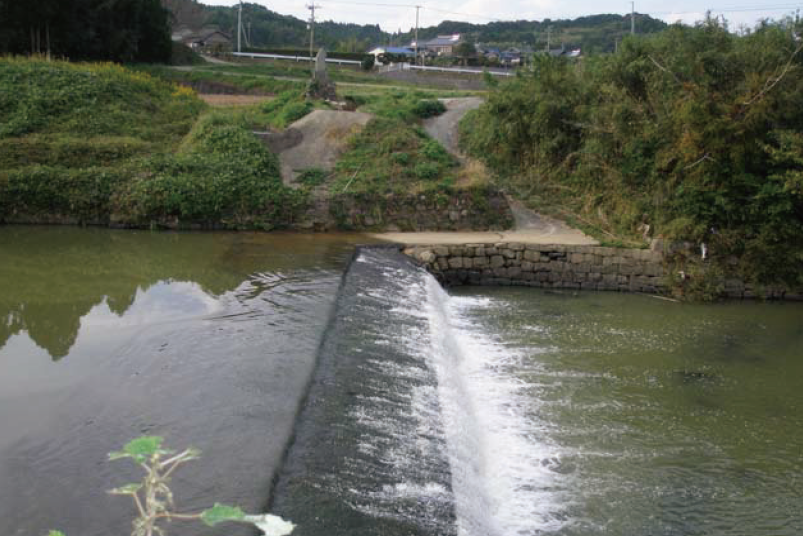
[
  {"x": 98, "y": 143},
  {"x": 595, "y": 33},
  {"x": 694, "y": 134},
  {"x": 113, "y": 30}
]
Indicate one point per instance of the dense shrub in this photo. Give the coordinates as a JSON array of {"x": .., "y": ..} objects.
[
  {"x": 391, "y": 155},
  {"x": 91, "y": 99},
  {"x": 47, "y": 192},
  {"x": 99, "y": 143},
  {"x": 428, "y": 108},
  {"x": 367, "y": 63},
  {"x": 222, "y": 173},
  {"x": 288, "y": 107},
  {"x": 694, "y": 132}
]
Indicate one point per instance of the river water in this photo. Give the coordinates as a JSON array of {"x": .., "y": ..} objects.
[
  {"x": 206, "y": 339},
  {"x": 477, "y": 412}
]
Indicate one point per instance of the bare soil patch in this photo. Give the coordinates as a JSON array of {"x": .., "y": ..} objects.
[
  {"x": 324, "y": 134},
  {"x": 234, "y": 100}
]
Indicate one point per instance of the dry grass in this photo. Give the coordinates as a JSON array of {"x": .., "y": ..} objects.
[
  {"x": 473, "y": 173},
  {"x": 234, "y": 100}
]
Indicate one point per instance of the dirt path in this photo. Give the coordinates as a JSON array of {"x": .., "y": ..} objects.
[
  {"x": 233, "y": 100},
  {"x": 212, "y": 59},
  {"x": 444, "y": 127},
  {"x": 323, "y": 137},
  {"x": 530, "y": 227}
]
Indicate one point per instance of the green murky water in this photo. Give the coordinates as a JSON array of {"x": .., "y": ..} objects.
[
  {"x": 207, "y": 339},
  {"x": 661, "y": 418}
]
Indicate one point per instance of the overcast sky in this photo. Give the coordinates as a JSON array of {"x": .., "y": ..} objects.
[{"x": 392, "y": 15}]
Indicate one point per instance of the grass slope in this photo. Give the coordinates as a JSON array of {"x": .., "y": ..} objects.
[{"x": 98, "y": 143}]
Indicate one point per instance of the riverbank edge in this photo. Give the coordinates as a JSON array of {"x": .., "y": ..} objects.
[
  {"x": 573, "y": 267},
  {"x": 472, "y": 208}
]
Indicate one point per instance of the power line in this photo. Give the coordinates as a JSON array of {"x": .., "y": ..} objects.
[{"x": 312, "y": 7}]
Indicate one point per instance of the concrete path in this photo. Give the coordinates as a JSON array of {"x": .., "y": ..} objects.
[
  {"x": 571, "y": 238},
  {"x": 444, "y": 127}
]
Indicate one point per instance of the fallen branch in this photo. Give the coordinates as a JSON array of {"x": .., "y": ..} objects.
[
  {"x": 700, "y": 161},
  {"x": 346, "y": 187},
  {"x": 664, "y": 69},
  {"x": 767, "y": 86},
  {"x": 663, "y": 298}
]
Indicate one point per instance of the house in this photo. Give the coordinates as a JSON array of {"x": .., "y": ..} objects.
[
  {"x": 511, "y": 56},
  {"x": 215, "y": 40},
  {"x": 489, "y": 53},
  {"x": 443, "y": 45}
]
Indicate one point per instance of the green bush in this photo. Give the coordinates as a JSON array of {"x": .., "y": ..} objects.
[
  {"x": 222, "y": 173},
  {"x": 428, "y": 108},
  {"x": 380, "y": 158},
  {"x": 295, "y": 111},
  {"x": 46, "y": 192},
  {"x": 694, "y": 132},
  {"x": 427, "y": 170},
  {"x": 288, "y": 107},
  {"x": 367, "y": 63},
  {"x": 312, "y": 177},
  {"x": 93, "y": 99}
]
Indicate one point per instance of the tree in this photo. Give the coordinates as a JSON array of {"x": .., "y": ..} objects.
[
  {"x": 117, "y": 30},
  {"x": 465, "y": 49}
]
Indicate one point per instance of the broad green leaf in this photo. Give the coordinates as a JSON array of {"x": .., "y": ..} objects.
[
  {"x": 271, "y": 525},
  {"x": 55, "y": 533},
  {"x": 128, "y": 489},
  {"x": 140, "y": 449},
  {"x": 221, "y": 512}
]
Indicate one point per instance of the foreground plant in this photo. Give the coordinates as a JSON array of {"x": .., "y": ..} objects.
[{"x": 154, "y": 499}]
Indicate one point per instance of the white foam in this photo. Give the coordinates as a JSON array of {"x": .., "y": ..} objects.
[{"x": 497, "y": 446}]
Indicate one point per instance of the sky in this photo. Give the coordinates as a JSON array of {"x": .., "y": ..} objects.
[{"x": 393, "y": 15}]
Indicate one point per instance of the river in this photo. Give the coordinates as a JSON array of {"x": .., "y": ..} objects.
[{"x": 473, "y": 412}]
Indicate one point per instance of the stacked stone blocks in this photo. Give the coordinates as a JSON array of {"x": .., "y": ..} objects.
[{"x": 545, "y": 266}]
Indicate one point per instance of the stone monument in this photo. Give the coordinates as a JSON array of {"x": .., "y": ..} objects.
[{"x": 320, "y": 87}]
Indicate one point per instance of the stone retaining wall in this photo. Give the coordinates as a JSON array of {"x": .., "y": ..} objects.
[
  {"x": 471, "y": 209},
  {"x": 545, "y": 266}
]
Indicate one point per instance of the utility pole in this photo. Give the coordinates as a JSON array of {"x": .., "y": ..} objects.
[
  {"x": 417, "y": 8},
  {"x": 312, "y": 7},
  {"x": 632, "y": 18},
  {"x": 239, "y": 26},
  {"x": 549, "y": 38}
]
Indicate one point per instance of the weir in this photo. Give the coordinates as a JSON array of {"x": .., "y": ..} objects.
[{"x": 411, "y": 424}]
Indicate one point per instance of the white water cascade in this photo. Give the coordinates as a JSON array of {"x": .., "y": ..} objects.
[{"x": 499, "y": 452}]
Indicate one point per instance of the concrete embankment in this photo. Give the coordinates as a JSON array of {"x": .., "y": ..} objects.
[
  {"x": 544, "y": 266},
  {"x": 533, "y": 262}
]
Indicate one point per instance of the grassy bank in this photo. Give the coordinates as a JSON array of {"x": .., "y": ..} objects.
[
  {"x": 98, "y": 143},
  {"x": 204, "y": 79},
  {"x": 103, "y": 144}
]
